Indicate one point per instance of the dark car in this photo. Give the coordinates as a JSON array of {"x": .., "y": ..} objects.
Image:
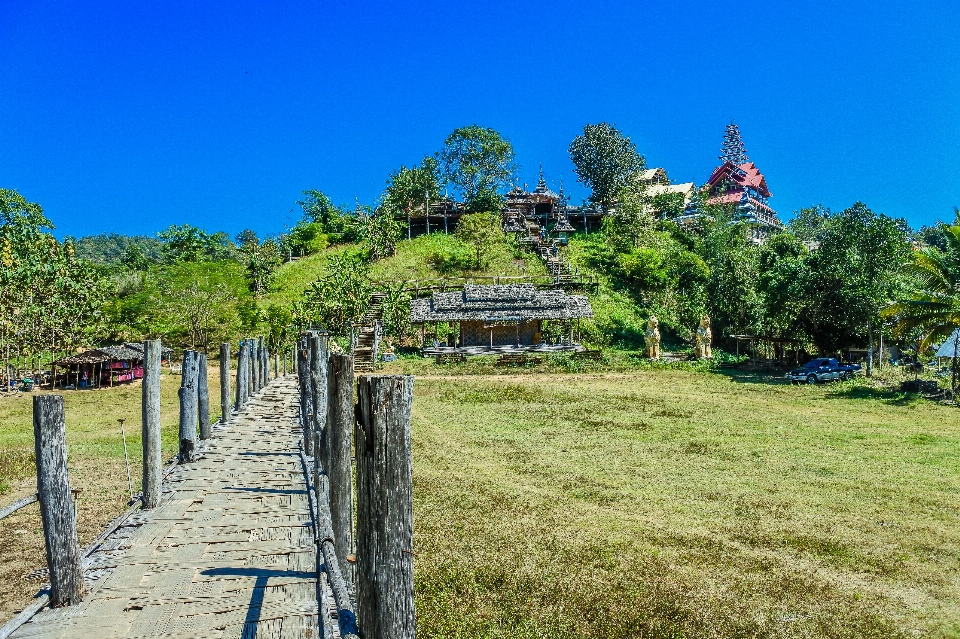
[{"x": 823, "y": 369}]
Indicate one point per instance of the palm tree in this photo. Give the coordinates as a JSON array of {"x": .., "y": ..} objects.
[{"x": 934, "y": 307}]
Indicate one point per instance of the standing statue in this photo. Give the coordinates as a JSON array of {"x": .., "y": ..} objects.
[
  {"x": 704, "y": 337},
  {"x": 652, "y": 338}
]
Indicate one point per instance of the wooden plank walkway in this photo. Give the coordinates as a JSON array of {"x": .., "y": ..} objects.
[{"x": 229, "y": 552}]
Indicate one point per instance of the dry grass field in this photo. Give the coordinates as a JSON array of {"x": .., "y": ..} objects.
[
  {"x": 647, "y": 503},
  {"x": 682, "y": 504}
]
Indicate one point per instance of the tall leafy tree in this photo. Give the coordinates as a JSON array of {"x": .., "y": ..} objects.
[
  {"x": 412, "y": 188},
  {"x": 478, "y": 161},
  {"x": 339, "y": 297},
  {"x": 187, "y": 243},
  {"x": 261, "y": 258},
  {"x": 605, "y": 161},
  {"x": 932, "y": 304},
  {"x": 853, "y": 273},
  {"x": 481, "y": 231}
]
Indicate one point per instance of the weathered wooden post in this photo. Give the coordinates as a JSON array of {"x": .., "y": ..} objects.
[
  {"x": 306, "y": 377},
  {"x": 150, "y": 411},
  {"x": 242, "y": 356},
  {"x": 318, "y": 394},
  {"x": 340, "y": 418},
  {"x": 254, "y": 365},
  {"x": 263, "y": 371},
  {"x": 188, "y": 406},
  {"x": 284, "y": 363},
  {"x": 203, "y": 397},
  {"x": 56, "y": 506},
  {"x": 276, "y": 365},
  {"x": 301, "y": 356},
  {"x": 224, "y": 383},
  {"x": 384, "y": 508}
]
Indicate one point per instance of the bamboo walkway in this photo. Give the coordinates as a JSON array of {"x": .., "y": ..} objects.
[{"x": 230, "y": 551}]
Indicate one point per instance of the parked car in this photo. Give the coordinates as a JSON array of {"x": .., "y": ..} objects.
[{"x": 823, "y": 369}]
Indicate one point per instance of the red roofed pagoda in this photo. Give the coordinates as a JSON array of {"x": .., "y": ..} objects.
[{"x": 739, "y": 181}]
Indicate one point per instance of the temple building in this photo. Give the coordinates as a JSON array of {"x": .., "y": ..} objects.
[
  {"x": 658, "y": 183},
  {"x": 503, "y": 316},
  {"x": 739, "y": 182}
]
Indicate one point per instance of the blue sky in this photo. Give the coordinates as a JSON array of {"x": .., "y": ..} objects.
[{"x": 117, "y": 116}]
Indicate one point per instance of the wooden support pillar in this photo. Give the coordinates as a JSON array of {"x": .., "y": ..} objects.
[
  {"x": 285, "y": 364},
  {"x": 265, "y": 358},
  {"x": 385, "y": 607},
  {"x": 203, "y": 397},
  {"x": 152, "y": 455},
  {"x": 224, "y": 383},
  {"x": 276, "y": 366},
  {"x": 340, "y": 418},
  {"x": 188, "y": 406},
  {"x": 56, "y": 505}
]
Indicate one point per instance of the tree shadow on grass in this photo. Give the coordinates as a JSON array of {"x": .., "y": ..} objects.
[
  {"x": 892, "y": 397},
  {"x": 775, "y": 378}
]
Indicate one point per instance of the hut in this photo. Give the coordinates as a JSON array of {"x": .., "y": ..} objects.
[
  {"x": 503, "y": 316},
  {"x": 98, "y": 367}
]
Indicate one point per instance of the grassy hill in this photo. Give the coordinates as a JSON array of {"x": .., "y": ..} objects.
[
  {"x": 424, "y": 257},
  {"x": 618, "y": 321}
]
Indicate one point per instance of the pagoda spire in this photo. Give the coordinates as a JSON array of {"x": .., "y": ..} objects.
[
  {"x": 542, "y": 184},
  {"x": 732, "y": 150}
]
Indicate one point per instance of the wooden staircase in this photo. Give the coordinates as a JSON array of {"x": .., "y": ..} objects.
[{"x": 367, "y": 339}]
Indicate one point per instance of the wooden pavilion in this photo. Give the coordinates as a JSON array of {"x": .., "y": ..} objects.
[
  {"x": 503, "y": 317},
  {"x": 98, "y": 367}
]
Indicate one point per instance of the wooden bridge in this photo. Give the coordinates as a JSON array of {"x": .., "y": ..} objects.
[{"x": 241, "y": 542}]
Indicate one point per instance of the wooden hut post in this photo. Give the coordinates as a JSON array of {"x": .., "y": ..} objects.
[
  {"x": 224, "y": 382},
  {"x": 188, "y": 407},
  {"x": 56, "y": 506},
  {"x": 152, "y": 455},
  {"x": 340, "y": 418},
  {"x": 203, "y": 397},
  {"x": 276, "y": 365},
  {"x": 385, "y": 508}
]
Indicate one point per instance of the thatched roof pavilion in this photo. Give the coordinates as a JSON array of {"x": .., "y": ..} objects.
[{"x": 501, "y": 315}]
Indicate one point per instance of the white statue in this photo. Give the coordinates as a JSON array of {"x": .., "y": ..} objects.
[
  {"x": 703, "y": 338},
  {"x": 652, "y": 338}
]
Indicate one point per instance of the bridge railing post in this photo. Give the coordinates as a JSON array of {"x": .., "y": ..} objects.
[
  {"x": 306, "y": 403},
  {"x": 385, "y": 606},
  {"x": 150, "y": 411},
  {"x": 224, "y": 383},
  {"x": 203, "y": 397},
  {"x": 318, "y": 396},
  {"x": 56, "y": 505},
  {"x": 340, "y": 418},
  {"x": 188, "y": 406}
]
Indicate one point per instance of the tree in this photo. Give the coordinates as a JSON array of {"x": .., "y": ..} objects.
[
  {"x": 480, "y": 231},
  {"x": 631, "y": 221},
  {"x": 319, "y": 208},
  {"x": 186, "y": 243},
  {"x": 198, "y": 302},
  {"x": 261, "y": 258},
  {"x": 380, "y": 232},
  {"x": 478, "y": 161},
  {"x": 50, "y": 300},
  {"x": 933, "y": 304},
  {"x": 339, "y": 297},
  {"x": 854, "y": 272},
  {"x": 409, "y": 189},
  {"x": 605, "y": 161}
]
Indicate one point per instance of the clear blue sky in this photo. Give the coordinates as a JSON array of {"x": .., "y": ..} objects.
[{"x": 118, "y": 116}]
